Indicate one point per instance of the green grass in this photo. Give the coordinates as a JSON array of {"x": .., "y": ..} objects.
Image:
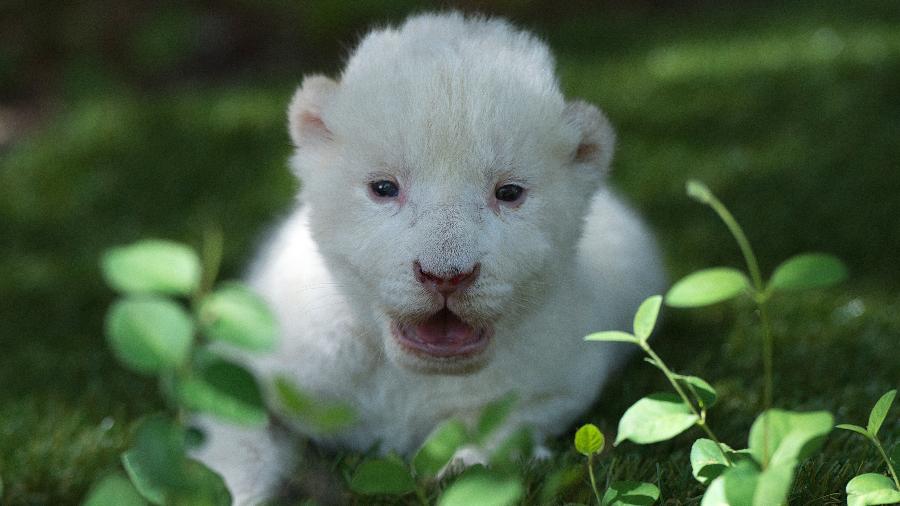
[{"x": 790, "y": 114}]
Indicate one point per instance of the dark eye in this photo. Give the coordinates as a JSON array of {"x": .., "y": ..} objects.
[
  {"x": 384, "y": 188},
  {"x": 509, "y": 192}
]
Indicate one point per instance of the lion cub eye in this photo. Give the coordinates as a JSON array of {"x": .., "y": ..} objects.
[
  {"x": 384, "y": 189},
  {"x": 509, "y": 193}
]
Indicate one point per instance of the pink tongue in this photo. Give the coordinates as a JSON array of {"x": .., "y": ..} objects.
[{"x": 445, "y": 329}]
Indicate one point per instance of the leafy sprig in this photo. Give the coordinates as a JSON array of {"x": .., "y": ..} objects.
[
  {"x": 779, "y": 440},
  {"x": 171, "y": 321},
  {"x": 874, "y": 488},
  {"x": 499, "y": 484},
  {"x": 589, "y": 441}
]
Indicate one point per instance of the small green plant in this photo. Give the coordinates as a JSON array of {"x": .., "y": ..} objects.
[
  {"x": 170, "y": 322},
  {"x": 151, "y": 332},
  {"x": 875, "y": 488},
  {"x": 779, "y": 440},
  {"x": 165, "y": 325},
  {"x": 496, "y": 485},
  {"x": 589, "y": 441},
  {"x": 662, "y": 416},
  {"x": 759, "y": 475},
  {"x": 718, "y": 284}
]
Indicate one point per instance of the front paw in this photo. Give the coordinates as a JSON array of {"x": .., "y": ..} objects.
[
  {"x": 541, "y": 453},
  {"x": 465, "y": 457}
]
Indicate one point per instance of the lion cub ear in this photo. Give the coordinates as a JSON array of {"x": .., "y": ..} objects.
[
  {"x": 305, "y": 112},
  {"x": 597, "y": 139}
]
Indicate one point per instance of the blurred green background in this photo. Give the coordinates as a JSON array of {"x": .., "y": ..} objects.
[{"x": 125, "y": 119}]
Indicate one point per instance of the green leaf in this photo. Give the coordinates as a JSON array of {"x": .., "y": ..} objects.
[
  {"x": 204, "y": 487},
  {"x": 322, "y": 417},
  {"x": 152, "y": 266},
  {"x": 479, "y": 486},
  {"x": 706, "y": 394},
  {"x": 223, "y": 389},
  {"x": 715, "y": 493},
  {"x": 880, "y": 411},
  {"x": 386, "y": 476},
  {"x": 745, "y": 484},
  {"x": 806, "y": 271},
  {"x": 148, "y": 334},
  {"x": 791, "y": 436},
  {"x": 519, "y": 445},
  {"x": 698, "y": 191},
  {"x": 238, "y": 316},
  {"x": 645, "y": 318},
  {"x": 740, "y": 484},
  {"x": 439, "y": 448},
  {"x": 626, "y": 493},
  {"x": 589, "y": 440},
  {"x": 113, "y": 490},
  {"x": 706, "y": 287},
  {"x": 708, "y": 460},
  {"x": 558, "y": 481},
  {"x": 143, "y": 481},
  {"x": 612, "y": 336},
  {"x": 854, "y": 428},
  {"x": 655, "y": 418},
  {"x": 194, "y": 437},
  {"x": 895, "y": 455},
  {"x": 774, "y": 484},
  {"x": 493, "y": 415},
  {"x": 156, "y": 463},
  {"x": 871, "y": 488}
]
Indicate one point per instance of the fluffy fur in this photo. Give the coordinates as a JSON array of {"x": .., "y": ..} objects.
[{"x": 448, "y": 107}]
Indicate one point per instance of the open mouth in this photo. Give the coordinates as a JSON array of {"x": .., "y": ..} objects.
[{"x": 442, "y": 335}]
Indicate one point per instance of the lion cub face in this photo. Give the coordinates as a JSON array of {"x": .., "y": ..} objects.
[{"x": 446, "y": 179}]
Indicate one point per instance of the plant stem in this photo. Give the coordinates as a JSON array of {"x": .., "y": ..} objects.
[
  {"x": 701, "y": 418},
  {"x": 212, "y": 246},
  {"x": 768, "y": 373},
  {"x": 211, "y": 260},
  {"x": 741, "y": 238},
  {"x": 759, "y": 296},
  {"x": 420, "y": 493},
  {"x": 887, "y": 461},
  {"x": 590, "y": 464}
]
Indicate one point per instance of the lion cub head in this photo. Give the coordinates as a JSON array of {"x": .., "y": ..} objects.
[{"x": 446, "y": 179}]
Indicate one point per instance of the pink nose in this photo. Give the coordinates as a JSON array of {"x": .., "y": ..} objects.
[{"x": 446, "y": 285}]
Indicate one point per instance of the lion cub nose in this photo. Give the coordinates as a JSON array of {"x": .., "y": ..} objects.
[{"x": 446, "y": 284}]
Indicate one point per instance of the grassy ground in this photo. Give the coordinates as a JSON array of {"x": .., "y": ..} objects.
[{"x": 791, "y": 114}]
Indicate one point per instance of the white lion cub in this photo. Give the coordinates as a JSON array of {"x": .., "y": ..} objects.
[{"x": 455, "y": 243}]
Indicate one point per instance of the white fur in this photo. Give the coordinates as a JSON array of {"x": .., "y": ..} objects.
[{"x": 449, "y": 107}]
